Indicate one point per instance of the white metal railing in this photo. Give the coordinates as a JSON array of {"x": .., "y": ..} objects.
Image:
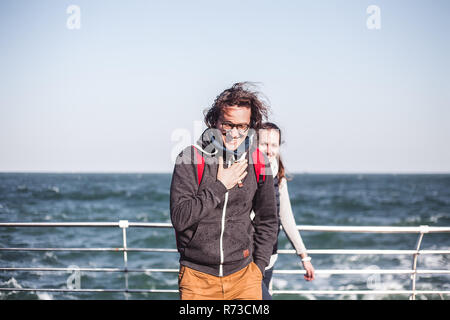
[{"x": 124, "y": 224}]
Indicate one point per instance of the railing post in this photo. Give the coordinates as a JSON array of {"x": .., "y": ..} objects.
[
  {"x": 423, "y": 230},
  {"x": 124, "y": 225}
]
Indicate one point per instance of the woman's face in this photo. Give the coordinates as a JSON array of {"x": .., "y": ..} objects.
[{"x": 269, "y": 142}]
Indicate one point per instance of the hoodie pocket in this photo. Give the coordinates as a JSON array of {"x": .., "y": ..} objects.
[
  {"x": 238, "y": 241},
  {"x": 204, "y": 245}
]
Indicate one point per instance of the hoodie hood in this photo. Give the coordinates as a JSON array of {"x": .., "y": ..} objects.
[{"x": 211, "y": 143}]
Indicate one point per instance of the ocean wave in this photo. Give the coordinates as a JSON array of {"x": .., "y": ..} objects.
[
  {"x": 11, "y": 283},
  {"x": 55, "y": 193},
  {"x": 22, "y": 188},
  {"x": 432, "y": 219},
  {"x": 44, "y": 295}
]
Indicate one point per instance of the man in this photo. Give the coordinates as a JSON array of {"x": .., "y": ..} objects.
[{"x": 223, "y": 253}]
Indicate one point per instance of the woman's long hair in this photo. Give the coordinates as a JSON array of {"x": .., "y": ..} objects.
[{"x": 281, "y": 170}]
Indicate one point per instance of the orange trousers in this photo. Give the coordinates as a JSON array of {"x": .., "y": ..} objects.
[{"x": 244, "y": 284}]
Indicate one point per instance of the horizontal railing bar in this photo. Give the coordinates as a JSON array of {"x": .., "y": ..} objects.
[
  {"x": 93, "y": 290},
  {"x": 363, "y": 271},
  {"x": 150, "y": 224},
  {"x": 281, "y": 251},
  {"x": 317, "y": 292},
  {"x": 59, "y": 224},
  {"x": 324, "y": 271},
  {"x": 85, "y": 269},
  {"x": 369, "y": 251},
  {"x": 92, "y": 249},
  {"x": 368, "y": 229},
  {"x": 62, "y": 269},
  {"x": 433, "y": 252},
  {"x": 376, "y": 229},
  {"x": 85, "y": 224}
]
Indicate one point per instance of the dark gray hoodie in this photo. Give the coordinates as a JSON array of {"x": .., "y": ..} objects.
[{"x": 213, "y": 228}]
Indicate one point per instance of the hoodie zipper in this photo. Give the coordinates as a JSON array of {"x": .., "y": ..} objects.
[{"x": 224, "y": 212}]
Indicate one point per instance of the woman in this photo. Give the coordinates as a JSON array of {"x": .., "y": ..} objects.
[{"x": 269, "y": 142}]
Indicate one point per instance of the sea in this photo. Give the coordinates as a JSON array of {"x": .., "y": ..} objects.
[{"x": 317, "y": 199}]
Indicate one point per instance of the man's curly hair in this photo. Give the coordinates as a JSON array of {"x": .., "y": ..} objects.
[{"x": 241, "y": 95}]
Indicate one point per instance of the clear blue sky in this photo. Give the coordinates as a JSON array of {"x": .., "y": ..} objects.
[{"x": 110, "y": 96}]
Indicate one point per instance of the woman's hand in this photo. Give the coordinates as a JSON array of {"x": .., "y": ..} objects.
[{"x": 309, "y": 276}]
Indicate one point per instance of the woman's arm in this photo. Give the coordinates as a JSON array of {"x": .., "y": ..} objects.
[
  {"x": 288, "y": 221},
  {"x": 290, "y": 228}
]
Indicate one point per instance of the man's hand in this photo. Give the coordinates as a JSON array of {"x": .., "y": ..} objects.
[{"x": 232, "y": 175}]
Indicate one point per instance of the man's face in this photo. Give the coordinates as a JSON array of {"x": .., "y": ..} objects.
[{"x": 234, "y": 124}]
